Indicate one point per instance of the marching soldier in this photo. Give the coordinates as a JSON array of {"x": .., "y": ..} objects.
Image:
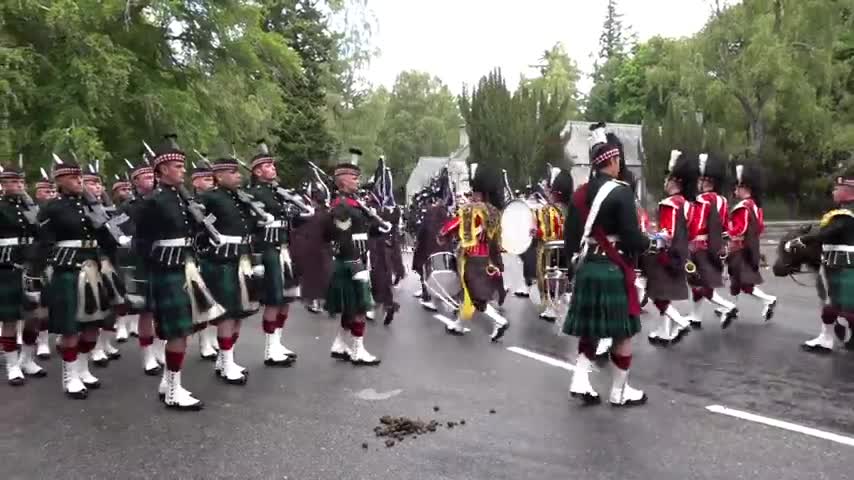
[
  {"x": 281, "y": 285},
  {"x": 121, "y": 191},
  {"x": 349, "y": 293},
  {"x": 746, "y": 224},
  {"x": 478, "y": 225},
  {"x": 602, "y": 233},
  {"x": 202, "y": 180},
  {"x": 665, "y": 269},
  {"x": 45, "y": 191},
  {"x": 836, "y": 237},
  {"x": 427, "y": 233},
  {"x": 312, "y": 258},
  {"x": 550, "y": 221},
  {"x": 227, "y": 266},
  {"x": 153, "y": 351},
  {"x": 380, "y": 246},
  {"x": 18, "y": 230},
  {"x": 177, "y": 297},
  {"x": 706, "y": 224},
  {"x": 74, "y": 294}
]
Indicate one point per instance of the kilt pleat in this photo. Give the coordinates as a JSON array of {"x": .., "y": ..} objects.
[
  {"x": 223, "y": 280},
  {"x": 599, "y": 307},
  {"x": 709, "y": 270},
  {"x": 61, "y": 297},
  {"x": 169, "y": 300},
  {"x": 345, "y": 295},
  {"x": 741, "y": 273},
  {"x": 664, "y": 282},
  {"x": 11, "y": 294},
  {"x": 840, "y": 283}
]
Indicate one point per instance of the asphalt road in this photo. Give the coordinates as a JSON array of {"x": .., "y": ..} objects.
[{"x": 310, "y": 421}]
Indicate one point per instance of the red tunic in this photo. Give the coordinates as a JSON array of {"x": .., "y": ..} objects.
[
  {"x": 698, "y": 218},
  {"x": 643, "y": 219},
  {"x": 739, "y": 220},
  {"x": 668, "y": 209},
  {"x": 481, "y": 249}
]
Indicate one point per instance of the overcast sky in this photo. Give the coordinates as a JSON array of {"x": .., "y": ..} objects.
[{"x": 512, "y": 34}]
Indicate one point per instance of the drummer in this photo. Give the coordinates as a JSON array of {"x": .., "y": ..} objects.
[
  {"x": 550, "y": 221},
  {"x": 479, "y": 229}
]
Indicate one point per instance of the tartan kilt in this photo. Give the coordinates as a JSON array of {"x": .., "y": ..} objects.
[
  {"x": 664, "y": 282},
  {"x": 482, "y": 287},
  {"x": 709, "y": 270},
  {"x": 11, "y": 294},
  {"x": 345, "y": 295},
  {"x": 168, "y": 299},
  {"x": 840, "y": 286},
  {"x": 599, "y": 307},
  {"x": 276, "y": 280},
  {"x": 61, "y": 297},
  {"x": 741, "y": 273},
  {"x": 223, "y": 280}
]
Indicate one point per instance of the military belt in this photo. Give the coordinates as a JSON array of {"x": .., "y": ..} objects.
[{"x": 77, "y": 244}]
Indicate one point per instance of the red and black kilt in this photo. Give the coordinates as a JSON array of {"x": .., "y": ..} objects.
[
  {"x": 741, "y": 272},
  {"x": 665, "y": 280},
  {"x": 709, "y": 270},
  {"x": 481, "y": 286}
]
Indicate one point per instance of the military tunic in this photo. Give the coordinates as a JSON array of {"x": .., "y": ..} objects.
[
  {"x": 601, "y": 305},
  {"x": 17, "y": 237},
  {"x": 836, "y": 236},
  {"x": 271, "y": 243},
  {"x": 347, "y": 230},
  {"x": 74, "y": 293},
  {"x": 227, "y": 269}
]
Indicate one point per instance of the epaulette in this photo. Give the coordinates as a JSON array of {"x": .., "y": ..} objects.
[{"x": 834, "y": 213}]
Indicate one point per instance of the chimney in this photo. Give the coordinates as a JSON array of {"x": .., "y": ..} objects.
[{"x": 464, "y": 136}]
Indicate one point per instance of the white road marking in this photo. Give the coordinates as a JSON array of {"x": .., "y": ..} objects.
[
  {"x": 792, "y": 427},
  {"x": 542, "y": 358},
  {"x": 447, "y": 321}
]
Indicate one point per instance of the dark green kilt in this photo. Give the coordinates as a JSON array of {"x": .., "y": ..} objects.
[
  {"x": 345, "y": 295},
  {"x": 168, "y": 299},
  {"x": 599, "y": 307},
  {"x": 275, "y": 283},
  {"x": 221, "y": 278},
  {"x": 840, "y": 286},
  {"x": 60, "y": 297},
  {"x": 11, "y": 294}
]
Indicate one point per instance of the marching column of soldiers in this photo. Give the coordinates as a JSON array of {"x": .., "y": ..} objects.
[{"x": 162, "y": 262}]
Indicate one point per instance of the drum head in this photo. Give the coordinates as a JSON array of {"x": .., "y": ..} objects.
[
  {"x": 441, "y": 276},
  {"x": 517, "y": 221}
]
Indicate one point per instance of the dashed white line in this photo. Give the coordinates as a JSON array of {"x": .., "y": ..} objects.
[
  {"x": 792, "y": 427},
  {"x": 542, "y": 358}
]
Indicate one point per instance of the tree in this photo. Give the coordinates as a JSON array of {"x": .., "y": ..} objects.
[
  {"x": 558, "y": 74},
  {"x": 613, "y": 39},
  {"x": 613, "y": 43}
]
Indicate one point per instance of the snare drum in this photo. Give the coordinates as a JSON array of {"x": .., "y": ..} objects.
[
  {"x": 554, "y": 260},
  {"x": 442, "y": 278}
]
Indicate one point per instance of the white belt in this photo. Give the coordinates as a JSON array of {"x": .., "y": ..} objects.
[
  {"x": 233, "y": 239},
  {"x": 9, "y": 242},
  {"x": 701, "y": 237},
  {"x": 360, "y": 237},
  {"x": 77, "y": 244},
  {"x": 611, "y": 238},
  {"x": 275, "y": 224},
  {"x": 838, "y": 248},
  {"x": 173, "y": 243}
]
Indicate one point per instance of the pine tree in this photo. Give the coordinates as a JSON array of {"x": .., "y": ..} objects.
[{"x": 612, "y": 41}]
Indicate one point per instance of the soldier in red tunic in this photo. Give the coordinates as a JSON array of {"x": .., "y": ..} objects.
[
  {"x": 706, "y": 224},
  {"x": 745, "y": 226}
]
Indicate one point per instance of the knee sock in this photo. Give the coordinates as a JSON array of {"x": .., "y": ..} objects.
[{"x": 623, "y": 362}]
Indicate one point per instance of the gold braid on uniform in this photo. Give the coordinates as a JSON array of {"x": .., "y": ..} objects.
[
  {"x": 469, "y": 238},
  {"x": 547, "y": 216},
  {"x": 826, "y": 219}
]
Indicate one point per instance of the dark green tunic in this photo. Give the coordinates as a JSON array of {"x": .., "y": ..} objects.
[
  {"x": 220, "y": 265},
  {"x": 14, "y": 227},
  {"x": 346, "y": 227},
  {"x": 837, "y": 230},
  {"x": 62, "y": 219},
  {"x": 279, "y": 283},
  {"x": 599, "y": 305}
]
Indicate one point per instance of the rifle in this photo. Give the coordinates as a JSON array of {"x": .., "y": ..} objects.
[{"x": 197, "y": 210}]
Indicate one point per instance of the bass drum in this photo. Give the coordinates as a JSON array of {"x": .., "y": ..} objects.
[{"x": 517, "y": 221}]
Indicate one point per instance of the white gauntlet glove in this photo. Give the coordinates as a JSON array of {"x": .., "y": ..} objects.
[{"x": 362, "y": 276}]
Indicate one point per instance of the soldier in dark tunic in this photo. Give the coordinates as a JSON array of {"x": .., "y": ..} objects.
[
  {"x": 349, "y": 293},
  {"x": 380, "y": 246},
  {"x": 18, "y": 231},
  {"x": 478, "y": 225},
  {"x": 176, "y": 294},
  {"x": 227, "y": 265},
  {"x": 202, "y": 180},
  {"x": 121, "y": 192},
  {"x": 602, "y": 232},
  {"x": 746, "y": 224},
  {"x": 45, "y": 191},
  {"x": 706, "y": 224},
  {"x": 664, "y": 269},
  {"x": 313, "y": 259},
  {"x": 281, "y": 285},
  {"x": 152, "y": 350},
  {"x": 835, "y": 235},
  {"x": 74, "y": 292}
]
